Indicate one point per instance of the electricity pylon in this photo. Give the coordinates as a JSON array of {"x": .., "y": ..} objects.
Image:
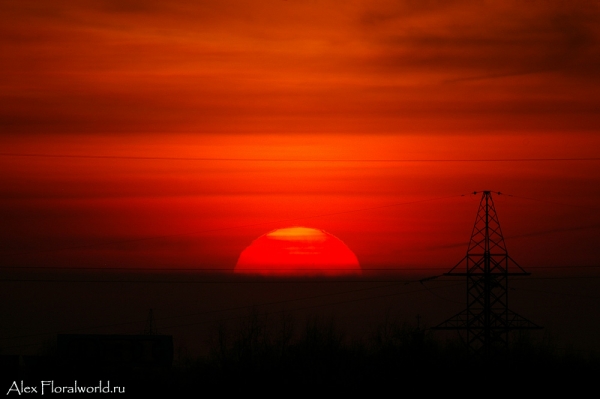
[{"x": 487, "y": 266}]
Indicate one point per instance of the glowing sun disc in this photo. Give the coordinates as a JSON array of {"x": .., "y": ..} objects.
[{"x": 298, "y": 251}]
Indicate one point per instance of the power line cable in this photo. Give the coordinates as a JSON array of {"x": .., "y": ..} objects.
[
  {"x": 95, "y": 245},
  {"x": 551, "y": 202},
  {"x": 213, "y": 159},
  {"x": 557, "y": 293},
  {"x": 281, "y": 281},
  {"x": 220, "y": 310},
  {"x": 222, "y": 270},
  {"x": 328, "y": 304}
]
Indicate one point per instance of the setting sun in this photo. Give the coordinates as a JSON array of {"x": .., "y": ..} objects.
[{"x": 298, "y": 251}]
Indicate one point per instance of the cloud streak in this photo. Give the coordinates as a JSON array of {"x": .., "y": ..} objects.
[{"x": 297, "y": 66}]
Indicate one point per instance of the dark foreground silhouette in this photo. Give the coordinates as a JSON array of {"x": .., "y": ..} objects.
[{"x": 285, "y": 358}]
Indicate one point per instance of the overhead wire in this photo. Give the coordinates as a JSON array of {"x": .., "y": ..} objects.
[
  {"x": 220, "y": 271},
  {"x": 96, "y": 245},
  {"x": 575, "y": 294},
  {"x": 420, "y": 281},
  {"x": 189, "y": 315},
  {"x": 344, "y": 160},
  {"x": 304, "y": 280},
  {"x": 551, "y": 202}
]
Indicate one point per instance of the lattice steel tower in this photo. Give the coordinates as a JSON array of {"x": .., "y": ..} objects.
[{"x": 487, "y": 266}]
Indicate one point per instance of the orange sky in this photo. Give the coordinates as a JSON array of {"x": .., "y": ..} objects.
[
  {"x": 295, "y": 83},
  {"x": 298, "y": 66}
]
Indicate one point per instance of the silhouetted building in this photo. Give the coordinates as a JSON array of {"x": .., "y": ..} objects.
[{"x": 115, "y": 351}]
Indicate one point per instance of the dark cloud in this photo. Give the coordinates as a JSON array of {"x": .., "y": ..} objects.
[
  {"x": 491, "y": 40},
  {"x": 129, "y": 6},
  {"x": 104, "y": 66}
]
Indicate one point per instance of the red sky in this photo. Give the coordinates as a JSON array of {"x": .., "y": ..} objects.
[
  {"x": 272, "y": 104},
  {"x": 171, "y": 135}
]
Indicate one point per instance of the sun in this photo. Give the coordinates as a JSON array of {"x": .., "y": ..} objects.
[{"x": 298, "y": 251}]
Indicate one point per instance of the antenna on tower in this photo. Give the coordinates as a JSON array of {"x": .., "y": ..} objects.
[
  {"x": 150, "y": 329},
  {"x": 487, "y": 266}
]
